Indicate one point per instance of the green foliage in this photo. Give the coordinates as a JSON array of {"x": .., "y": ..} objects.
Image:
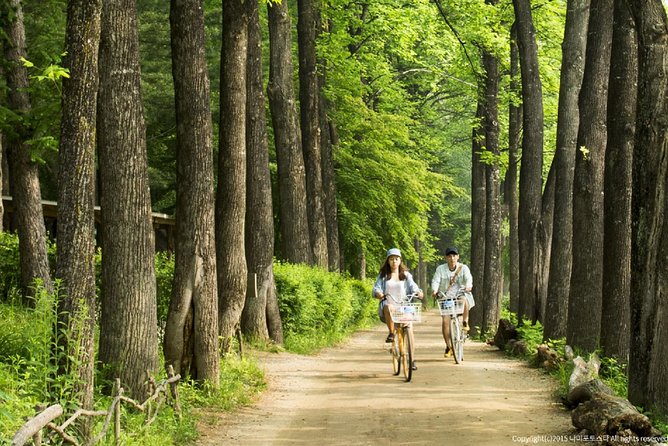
[
  {"x": 164, "y": 275},
  {"x": 10, "y": 279},
  {"x": 319, "y": 308}
]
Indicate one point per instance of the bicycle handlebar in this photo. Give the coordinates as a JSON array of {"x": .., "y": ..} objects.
[
  {"x": 460, "y": 292},
  {"x": 409, "y": 297}
]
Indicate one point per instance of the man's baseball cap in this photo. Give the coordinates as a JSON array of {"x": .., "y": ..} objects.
[{"x": 451, "y": 250}]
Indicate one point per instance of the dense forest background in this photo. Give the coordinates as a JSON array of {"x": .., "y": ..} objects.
[{"x": 530, "y": 134}]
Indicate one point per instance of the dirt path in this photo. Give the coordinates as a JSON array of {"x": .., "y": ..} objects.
[{"x": 348, "y": 396}]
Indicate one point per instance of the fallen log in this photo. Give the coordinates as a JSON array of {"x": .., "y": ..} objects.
[
  {"x": 547, "y": 357},
  {"x": 504, "y": 333},
  {"x": 583, "y": 371},
  {"x": 586, "y": 391},
  {"x": 612, "y": 416},
  {"x": 36, "y": 424}
]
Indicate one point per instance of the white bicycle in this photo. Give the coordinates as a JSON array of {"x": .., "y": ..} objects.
[{"x": 454, "y": 307}]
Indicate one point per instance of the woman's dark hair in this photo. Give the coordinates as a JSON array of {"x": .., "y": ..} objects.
[{"x": 386, "y": 271}]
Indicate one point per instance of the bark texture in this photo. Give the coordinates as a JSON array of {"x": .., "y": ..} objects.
[
  {"x": 259, "y": 213},
  {"x": 295, "y": 245},
  {"x": 24, "y": 177},
  {"x": 191, "y": 333},
  {"x": 231, "y": 194},
  {"x": 511, "y": 198},
  {"x": 478, "y": 217},
  {"x": 128, "y": 325},
  {"x": 648, "y": 368},
  {"x": 309, "y": 104},
  {"x": 585, "y": 297},
  {"x": 493, "y": 269},
  {"x": 615, "y": 319},
  {"x": 76, "y": 198},
  {"x": 532, "y": 160},
  {"x": 572, "y": 70}
]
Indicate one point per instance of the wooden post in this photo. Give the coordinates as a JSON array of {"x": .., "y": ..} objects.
[{"x": 117, "y": 414}]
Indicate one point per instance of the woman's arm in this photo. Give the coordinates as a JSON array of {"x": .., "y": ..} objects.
[{"x": 378, "y": 290}]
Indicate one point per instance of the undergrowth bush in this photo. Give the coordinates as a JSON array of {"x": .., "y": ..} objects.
[
  {"x": 612, "y": 372},
  {"x": 319, "y": 308}
]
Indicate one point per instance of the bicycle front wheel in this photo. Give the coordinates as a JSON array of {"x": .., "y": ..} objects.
[
  {"x": 407, "y": 354},
  {"x": 456, "y": 336},
  {"x": 396, "y": 353}
]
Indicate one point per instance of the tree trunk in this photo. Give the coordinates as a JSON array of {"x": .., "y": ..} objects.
[
  {"x": 615, "y": 319},
  {"x": 309, "y": 98},
  {"x": 532, "y": 160},
  {"x": 514, "y": 135},
  {"x": 128, "y": 325},
  {"x": 648, "y": 375},
  {"x": 328, "y": 142},
  {"x": 76, "y": 198},
  {"x": 24, "y": 172},
  {"x": 295, "y": 245},
  {"x": 478, "y": 219},
  {"x": 493, "y": 270},
  {"x": 259, "y": 215},
  {"x": 545, "y": 241},
  {"x": 231, "y": 196},
  {"x": 572, "y": 70},
  {"x": 585, "y": 299},
  {"x": 194, "y": 289}
]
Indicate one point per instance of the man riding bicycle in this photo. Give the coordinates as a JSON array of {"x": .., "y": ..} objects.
[{"x": 453, "y": 278}]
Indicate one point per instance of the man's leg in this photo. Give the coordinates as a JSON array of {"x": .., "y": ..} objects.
[
  {"x": 445, "y": 328},
  {"x": 465, "y": 316}
]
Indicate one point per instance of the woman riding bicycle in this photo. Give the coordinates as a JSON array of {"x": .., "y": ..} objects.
[{"x": 392, "y": 287}]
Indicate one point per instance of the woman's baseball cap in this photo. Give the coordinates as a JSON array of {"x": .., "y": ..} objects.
[{"x": 393, "y": 252}]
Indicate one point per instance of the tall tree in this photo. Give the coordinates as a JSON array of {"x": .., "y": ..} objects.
[
  {"x": 615, "y": 319},
  {"x": 328, "y": 142},
  {"x": 260, "y": 317},
  {"x": 545, "y": 241},
  {"x": 128, "y": 325},
  {"x": 231, "y": 193},
  {"x": 24, "y": 178},
  {"x": 309, "y": 102},
  {"x": 76, "y": 197},
  {"x": 510, "y": 183},
  {"x": 191, "y": 332},
  {"x": 493, "y": 271},
  {"x": 478, "y": 214},
  {"x": 648, "y": 375},
  {"x": 532, "y": 159},
  {"x": 295, "y": 245},
  {"x": 572, "y": 70},
  {"x": 586, "y": 288}
]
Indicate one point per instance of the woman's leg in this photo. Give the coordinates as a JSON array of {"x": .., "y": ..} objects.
[
  {"x": 412, "y": 337},
  {"x": 388, "y": 318}
]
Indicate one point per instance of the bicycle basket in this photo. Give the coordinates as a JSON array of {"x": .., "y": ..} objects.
[
  {"x": 451, "y": 307},
  {"x": 406, "y": 312}
]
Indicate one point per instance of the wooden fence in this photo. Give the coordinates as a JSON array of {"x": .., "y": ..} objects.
[{"x": 160, "y": 393}]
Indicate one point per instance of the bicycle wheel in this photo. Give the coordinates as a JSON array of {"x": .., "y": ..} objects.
[
  {"x": 396, "y": 353},
  {"x": 407, "y": 355},
  {"x": 456, "y": 338}
]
